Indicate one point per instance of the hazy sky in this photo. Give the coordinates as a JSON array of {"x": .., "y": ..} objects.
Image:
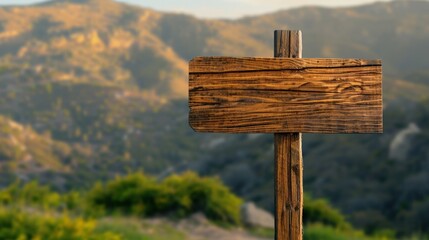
[{"x": 223, "y": 8}]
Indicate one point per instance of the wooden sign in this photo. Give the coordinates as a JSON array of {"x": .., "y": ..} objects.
[
  {"x": 286, "y": 95},
  {"x": 272, "y": 95}
]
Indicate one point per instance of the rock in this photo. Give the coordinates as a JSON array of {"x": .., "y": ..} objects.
[
  {"x": 198, "y": 227},
  {"x": 253, "y": 216},
  {"x": 400, "y": 145},
  {"x": 198, "y": 219}
]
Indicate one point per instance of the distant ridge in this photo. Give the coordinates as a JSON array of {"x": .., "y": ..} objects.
[
  {"x": 80, "y": 1},
  {"x": 89, "y": 2}
]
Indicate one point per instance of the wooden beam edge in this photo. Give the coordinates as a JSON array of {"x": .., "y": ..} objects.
[{"x": 294, "y": 63}]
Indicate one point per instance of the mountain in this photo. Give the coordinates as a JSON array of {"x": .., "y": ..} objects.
[
  {"x": 91, "y": 41},
  {"x": 106, "y": 82}
]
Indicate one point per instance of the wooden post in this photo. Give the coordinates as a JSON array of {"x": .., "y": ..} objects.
[{"x": 288, "y": 157}]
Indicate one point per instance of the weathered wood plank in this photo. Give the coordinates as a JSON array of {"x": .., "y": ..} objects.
[
  {"x": 253, "y": 64},
  {"x": 288, "y": 156},
  {"x": 246, "y": 95},
  {"x": 204, "y": 98}
]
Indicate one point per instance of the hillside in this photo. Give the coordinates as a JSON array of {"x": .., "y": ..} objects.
[
  {"x": 102, "y": 86},
  {"x": 90, "y": 41},
  {"x": 29, "y": 154}
]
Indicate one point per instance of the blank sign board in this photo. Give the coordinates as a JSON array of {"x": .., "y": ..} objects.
[{"x": 275, "y": 95}]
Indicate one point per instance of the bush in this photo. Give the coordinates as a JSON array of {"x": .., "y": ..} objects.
[
  {"x": 320, "y": 232},
  {"x": 30, "y": 194},
  {"x": 15, "y": 224},
  {"x": 320, "y": 211},
  {"x": 191, "y": 193},
  {"x": 134, "y": 193},
  {"x": 178, "y": 195}
]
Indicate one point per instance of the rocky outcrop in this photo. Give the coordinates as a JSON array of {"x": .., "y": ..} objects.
[
  {"x": 252, "y": 216},
  {"x": 400, "y": 145}
]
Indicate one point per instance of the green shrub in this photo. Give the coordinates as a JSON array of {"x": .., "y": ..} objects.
[
  {"x": 191, "y": 193},
  {"x": 178, "y": 195},
  {"x": 320, "y": 211},
  {"x": 34, "y": 195},
  {"x": 321, "y": 232},
  {"x": 130, "y": 194},
  {"x": 30, "y": 194},
  {"x": 19, "y": 225},
  {"x": 73, "y": 200}
]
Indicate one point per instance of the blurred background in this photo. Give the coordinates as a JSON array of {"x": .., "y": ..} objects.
[{"x": 94, "y": 135}]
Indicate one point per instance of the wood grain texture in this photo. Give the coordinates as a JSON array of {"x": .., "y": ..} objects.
[
  {"x": 216, "y": 65},
  {"x": 274, "y": 95},
  {"x": 288, "y": 160},
  {"x": 289, "y": 193},
  {"x": 288, "y": 44}
]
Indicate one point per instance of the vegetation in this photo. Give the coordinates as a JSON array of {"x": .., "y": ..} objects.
[
  {"x": 320, "y": 232},
  {"x": 19, "y": 225},
  {"x": 116, "y": 210},
  {"x": 320, "y": 211},
  {"x": 177, "y": 195},
  {"x": 33, "y": 211}
]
